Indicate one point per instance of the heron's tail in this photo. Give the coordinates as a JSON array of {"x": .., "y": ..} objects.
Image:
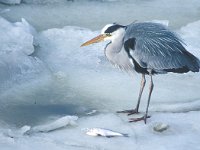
[
  {"x": 193, "y": 62},
  {"x": 197, "y": 65}
]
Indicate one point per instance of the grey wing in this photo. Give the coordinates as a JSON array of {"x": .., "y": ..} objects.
[{"x": 157, "y": 48}]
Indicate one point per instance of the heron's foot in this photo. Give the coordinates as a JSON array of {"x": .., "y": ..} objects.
[
  {"x": 140, "y": 119},
  {"x": 129, "y": 112}
]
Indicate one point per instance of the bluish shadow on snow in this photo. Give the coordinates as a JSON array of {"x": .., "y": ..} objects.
[{"x": 19, "y": 115}]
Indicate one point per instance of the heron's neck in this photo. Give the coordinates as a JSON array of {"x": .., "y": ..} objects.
[
  {"x": 114, "y": 46},
  {"x": 115, "y": 53}
]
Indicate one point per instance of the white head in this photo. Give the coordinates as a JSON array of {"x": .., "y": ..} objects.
[{"x": 110, "y": 32}]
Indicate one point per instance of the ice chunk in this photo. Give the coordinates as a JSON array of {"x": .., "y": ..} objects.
[
  {"x": 59, "y": 123},
  {"x": 16, "y": 44},
  {"x": 15, "y": 37},
  {"x": 18, "y": 133},
  {"x": 28, "y": 29},
  {"x": 160, "y": 127}
]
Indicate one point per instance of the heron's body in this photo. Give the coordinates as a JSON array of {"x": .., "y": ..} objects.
[
  {"x": 150, "y": 46},
  {"x": 147, "y": 48}
]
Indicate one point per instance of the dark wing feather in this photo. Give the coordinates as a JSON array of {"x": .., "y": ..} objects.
[{"x": 157, "y": 48}]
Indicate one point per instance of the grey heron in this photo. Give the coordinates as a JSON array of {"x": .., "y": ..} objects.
[{"x": 147, "y": 48}]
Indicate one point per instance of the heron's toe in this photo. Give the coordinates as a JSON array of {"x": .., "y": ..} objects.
[
  {"x": 139, "y": 119},
  {"x": 129, "y": 112}
]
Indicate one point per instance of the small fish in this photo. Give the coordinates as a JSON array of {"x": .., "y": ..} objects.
[{"x": 104, "y": 132}]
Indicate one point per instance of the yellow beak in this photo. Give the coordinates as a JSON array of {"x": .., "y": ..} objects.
[{"x": 97, "y": 39}]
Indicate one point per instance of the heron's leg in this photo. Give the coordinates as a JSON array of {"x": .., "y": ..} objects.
[
  {"x": 149, "y": 97},
  {"x": 143, "y": 82},
  {"x": 135, "y": 111}
]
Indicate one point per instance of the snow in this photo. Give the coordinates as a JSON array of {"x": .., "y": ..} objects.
[{"x": 48, "y": 83}]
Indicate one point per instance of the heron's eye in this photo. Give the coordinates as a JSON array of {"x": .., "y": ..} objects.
[{"x": 108, "y": 34}]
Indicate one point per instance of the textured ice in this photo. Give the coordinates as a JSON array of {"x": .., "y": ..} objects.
[
  {"x": 47, "y": 75},
  {"x": 16, "y": 37},
  {"x": 16, "y": 44},
  {"x": 94, "y": 14}
]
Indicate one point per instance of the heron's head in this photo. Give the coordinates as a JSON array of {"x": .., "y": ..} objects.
[{"x": 108, "y": 33}]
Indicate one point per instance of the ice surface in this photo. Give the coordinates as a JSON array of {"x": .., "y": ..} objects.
[
  {"x": 94, "y": 14},
  {"x": 44, "y": 1},
  {"x": 183, "y": 134},
  {"x": 10, "y": 1},
  {"x": 46, "y": 75}
]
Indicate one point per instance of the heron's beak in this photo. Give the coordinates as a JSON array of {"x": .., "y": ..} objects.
[{"x": 97, "y": 39}]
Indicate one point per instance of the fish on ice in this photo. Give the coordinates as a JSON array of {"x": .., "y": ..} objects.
[{"x": 104, "y": 132}]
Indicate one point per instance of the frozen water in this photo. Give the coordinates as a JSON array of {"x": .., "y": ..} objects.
[
  {"x": 10, "y": 1},
  {"x": 94, "y": 14},
  {"x": 45, "y": 76},
  {"x": 59, "y": 123}
]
